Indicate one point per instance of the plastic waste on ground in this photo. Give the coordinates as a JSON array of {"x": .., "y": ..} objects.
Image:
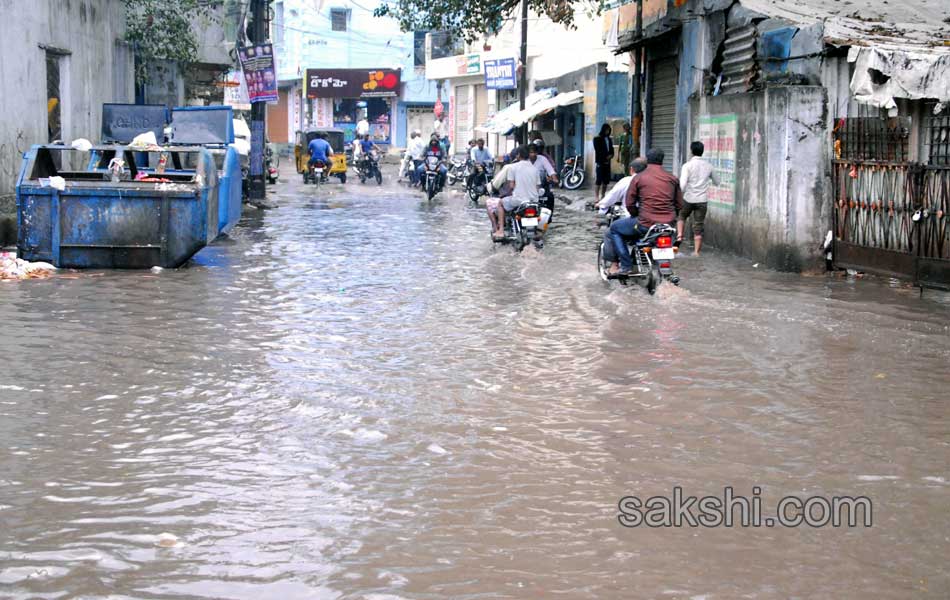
[
  {"x": 12, "y": 267},
  {"x": 82, "y": 144}
]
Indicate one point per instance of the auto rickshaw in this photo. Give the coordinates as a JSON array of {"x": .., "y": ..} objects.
[{"x": 335, "y": 138}]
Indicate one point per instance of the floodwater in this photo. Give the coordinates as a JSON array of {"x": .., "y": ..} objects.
[{"x": 357, "y": 397}]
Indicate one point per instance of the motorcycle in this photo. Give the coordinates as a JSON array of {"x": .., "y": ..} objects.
[
  {"x": 430, "y": 177},
  {"x": 368, "y": 168},
  {"x": 526, "y": 225},
  {"x": 572, "y": 173},
  {"x": 458, "y": 171},
  {"x": 479, "y": 185},
  {"x": 652, "y": 255},
  {"x": 271, "y": 164},
  {"x": 316, "y": 173}
]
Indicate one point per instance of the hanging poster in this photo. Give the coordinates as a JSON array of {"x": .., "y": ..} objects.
[
  {"x": 260, "y": 72},
  {"x": 235, "y": 92},
  {"x": 322, "y": 112}
]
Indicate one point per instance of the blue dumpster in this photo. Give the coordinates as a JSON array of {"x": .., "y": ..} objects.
[
  {"x": 213, "y": 128},
  {"x": 95, "y": 222}
]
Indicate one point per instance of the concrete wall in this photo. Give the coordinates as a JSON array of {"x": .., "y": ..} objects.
[
  {"x": 780, "y": 208},
  {"x": 96, "y": 68}
]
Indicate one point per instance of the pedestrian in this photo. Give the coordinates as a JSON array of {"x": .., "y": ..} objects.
[
  {"x": 626, "y": 147},
  {"x": 695, "y": 177},
  {"x": 603, "y": 154}
]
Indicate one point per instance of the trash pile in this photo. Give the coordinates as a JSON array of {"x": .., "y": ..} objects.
[{"x": 12, "y": 267}]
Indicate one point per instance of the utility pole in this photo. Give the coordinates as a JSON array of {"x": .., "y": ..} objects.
[
  {"x": 258, "y": 34},
  {"x": 523, "y": 87}
]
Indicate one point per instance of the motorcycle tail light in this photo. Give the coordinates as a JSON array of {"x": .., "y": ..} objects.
[
  {"x": 664, "y": 265},
  {"x": 664, "y": 242},
  {"x": 530, "y": 212}
]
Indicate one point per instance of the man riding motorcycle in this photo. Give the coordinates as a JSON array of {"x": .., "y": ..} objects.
[
  {"x": 525, "y": 179},
  {"x": 320, "y": 151},
  {"x": 415, "y": 152},
  {"x": 545, "y": 169},
  {"x": 654, "y": 196},
  {"x": 434, "y": 150},
  {"x": 615, "y": 196},
  {"x": 479, "y": 155}
]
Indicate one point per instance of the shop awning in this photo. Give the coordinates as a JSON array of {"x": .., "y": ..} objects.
[{"x": 544, "y": 101}]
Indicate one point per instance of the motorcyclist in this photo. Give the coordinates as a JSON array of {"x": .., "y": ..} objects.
[
  {"x": 546, "y": 170},
  {"x": 434, "y": 150},
  {"x": 479, "y": 155},
  {"x": 415, "y": 150},
  {"x": 525, "y": 179},
  {"x": 615, "y": 196},
  {"x": 654, "y": 196},
  {"x": 320, "y": 150}
]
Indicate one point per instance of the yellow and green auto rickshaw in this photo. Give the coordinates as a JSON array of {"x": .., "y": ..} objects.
[{"x": 302, "y": 156}]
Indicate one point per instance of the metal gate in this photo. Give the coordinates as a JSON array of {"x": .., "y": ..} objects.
[
  {"x": 892, "y": 214},
  {"x": 663, "y": 75}
]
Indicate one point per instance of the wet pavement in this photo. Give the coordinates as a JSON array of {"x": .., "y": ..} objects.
[{"x": 356, "y": 396}]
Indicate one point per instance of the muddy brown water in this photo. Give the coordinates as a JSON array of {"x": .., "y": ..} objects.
[{"x": 357, "y": 397}]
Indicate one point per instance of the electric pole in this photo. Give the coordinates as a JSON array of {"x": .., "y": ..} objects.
[
  {"x": 258, "y": 34},
  {"x": 523, "y": 87}
]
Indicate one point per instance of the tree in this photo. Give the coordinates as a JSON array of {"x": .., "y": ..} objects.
[
  {"x": 162, "y": 30},
  {"x": 472, "y": 19}
]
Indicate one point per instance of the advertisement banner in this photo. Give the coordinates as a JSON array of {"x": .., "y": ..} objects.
[
  {"x": 500, "y": 74},
  {"x": 235, "y": 92},
  {"x": 352, "y": 83},
  {"x": 322, "y": 112},
  {"x": 718, "y": 134},
  {"x": 260, "y": 72}
]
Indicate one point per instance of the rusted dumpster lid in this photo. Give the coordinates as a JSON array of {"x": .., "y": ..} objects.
[
  {"x": 202, "y": 126},
  {"x": 122, "y": 122}
]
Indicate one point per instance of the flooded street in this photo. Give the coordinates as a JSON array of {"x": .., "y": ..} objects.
[{"x": 357, "y": 397}]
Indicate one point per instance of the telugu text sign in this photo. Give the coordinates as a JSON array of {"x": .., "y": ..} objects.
[{"x": 718, "y": 135}]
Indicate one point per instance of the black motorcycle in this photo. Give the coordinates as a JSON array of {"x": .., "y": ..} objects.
[
  {"x": 652, "y": 255},
  {"x": 478, "y": 186},
  {"x": 368, "y": 168},
  {"x": 572, "y": 173},
  {"x": 431, "y": 178},
  {"x": 458, "y": 171},
  {"x": 523, "y": 226},
  {"x": 271, "y": 164}
]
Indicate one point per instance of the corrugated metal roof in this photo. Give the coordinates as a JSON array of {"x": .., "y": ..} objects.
[{"x": 882, "y": 23}]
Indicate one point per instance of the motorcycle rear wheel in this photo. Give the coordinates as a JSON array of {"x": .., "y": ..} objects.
[
  {"x": 601, "y": 265},
  {"x": 379, "y": 177}
]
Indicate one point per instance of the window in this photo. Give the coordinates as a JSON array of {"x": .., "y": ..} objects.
[
  {"x": 338, "y": 19},
  {"x": 419, "y": 48},
  {"x": 444, "y": 45}
]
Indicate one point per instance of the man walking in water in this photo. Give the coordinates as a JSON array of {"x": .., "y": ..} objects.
[{"x": 695, "y": 178}]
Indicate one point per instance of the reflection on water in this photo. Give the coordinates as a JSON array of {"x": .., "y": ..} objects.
[{"x": 358, "y": 397}]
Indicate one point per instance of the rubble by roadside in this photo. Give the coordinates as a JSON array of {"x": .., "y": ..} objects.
[{"x": 12, "y": 268}]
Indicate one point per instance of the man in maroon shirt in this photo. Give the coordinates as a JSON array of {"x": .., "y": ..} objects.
[{"x": 653, "y": 197}]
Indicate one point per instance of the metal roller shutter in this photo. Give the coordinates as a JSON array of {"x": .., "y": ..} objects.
[{"x": 663, "y": 108}]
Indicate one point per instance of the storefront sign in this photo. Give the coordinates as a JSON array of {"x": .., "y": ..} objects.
[
  {"x": 718, "y": 135},
  {"x": 259, "y": 68},
  {"x": 470, "y": 64},
  {"x": 500, "y": 74},
  {"x": 352, "y": 83}
]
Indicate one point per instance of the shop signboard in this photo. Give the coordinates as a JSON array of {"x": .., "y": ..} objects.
[
  {"x": 352, "y": 83},
  {"x": 500, "y": 74}
]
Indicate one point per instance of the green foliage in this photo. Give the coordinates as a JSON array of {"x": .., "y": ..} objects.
[
  {"x": 474, "y": 19},
  {"x": 163, "y": 30}
]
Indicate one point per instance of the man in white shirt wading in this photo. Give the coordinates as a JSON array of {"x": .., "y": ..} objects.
[{"x": 694, "y": 181}]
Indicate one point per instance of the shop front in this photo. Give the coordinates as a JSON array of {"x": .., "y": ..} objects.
[{"x": 341, "y": 98}]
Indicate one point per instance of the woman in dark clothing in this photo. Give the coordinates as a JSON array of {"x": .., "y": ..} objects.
[{"x": 603, "y": 154}]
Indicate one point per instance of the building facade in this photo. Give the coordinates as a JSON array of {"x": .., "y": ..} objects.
[
  {"x": 816, "y": 120},
  {"x": 320, "y": 44}
]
